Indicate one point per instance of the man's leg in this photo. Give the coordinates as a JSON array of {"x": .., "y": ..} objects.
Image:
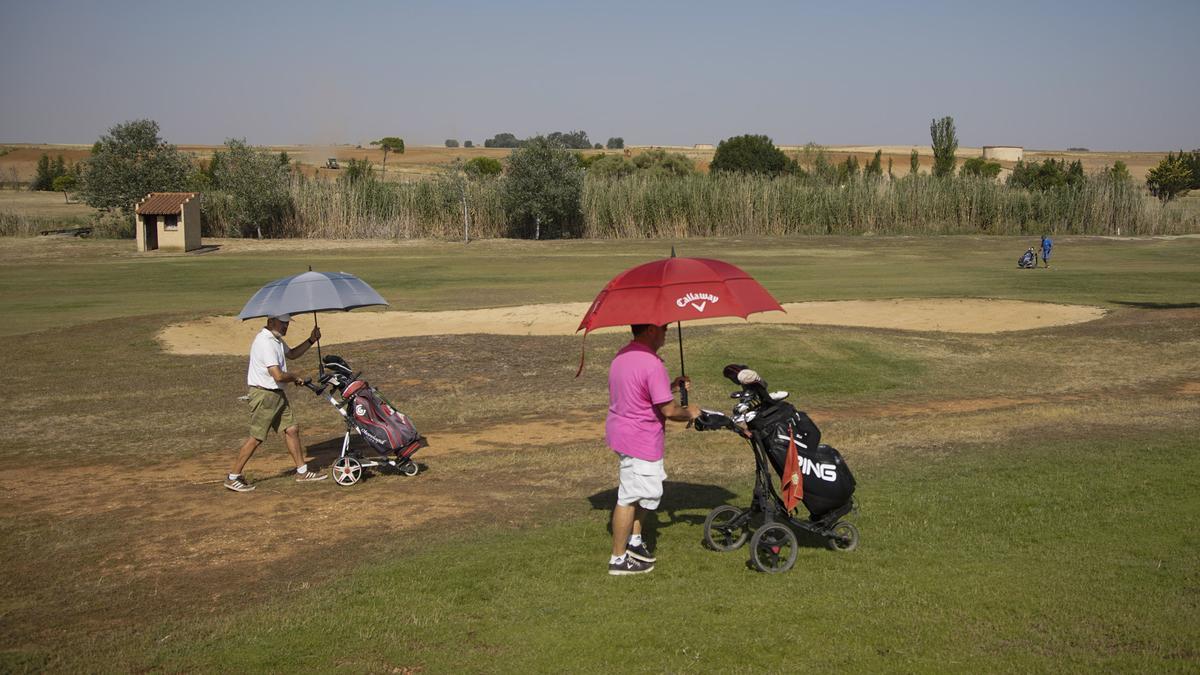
[
  {"x": 291, "y": 437},
  {"x": 243, "y": 455}
]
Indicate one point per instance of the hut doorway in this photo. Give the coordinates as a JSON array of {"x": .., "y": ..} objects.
[{"x": 150, "y": 233}]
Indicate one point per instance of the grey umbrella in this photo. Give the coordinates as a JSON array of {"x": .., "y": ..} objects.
[{"x": 311, "y": 292}]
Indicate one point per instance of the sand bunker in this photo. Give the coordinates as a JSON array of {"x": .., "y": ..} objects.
[{"x": 227, "y": 335}]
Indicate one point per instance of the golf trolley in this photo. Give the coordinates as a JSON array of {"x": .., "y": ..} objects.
[
  {"x": 366, "y": 412},
  {"x": 774, "y": 430}
]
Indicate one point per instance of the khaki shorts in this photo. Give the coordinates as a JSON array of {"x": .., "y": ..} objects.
[
  {"x": 641, "y": 482},
  {"x": 269, "y": 410}
]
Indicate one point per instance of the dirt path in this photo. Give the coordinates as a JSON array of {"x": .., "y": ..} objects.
[{"x": 227, "y": 335}]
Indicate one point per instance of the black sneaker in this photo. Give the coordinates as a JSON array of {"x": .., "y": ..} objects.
[
  {"x": 640, "y": 552},
  {"x": 630, "y": 565}
]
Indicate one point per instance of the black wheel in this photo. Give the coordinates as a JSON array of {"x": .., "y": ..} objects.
[
  {"x": 719, "y": 535},
  {"x": 773, "y": 548},
  {"x": 346, "y": 470},
  {"x": 410, "y": 469},
  {"x": 844, "y": 537}
]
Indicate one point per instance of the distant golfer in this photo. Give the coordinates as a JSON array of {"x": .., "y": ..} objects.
[
  {"x": 641, "y": 399},
  {"x": 269, "y": 407},
  {"x": 1046, "y": 246}
]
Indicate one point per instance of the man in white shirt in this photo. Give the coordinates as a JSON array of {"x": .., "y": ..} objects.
[{"x": 269, "y": 407}]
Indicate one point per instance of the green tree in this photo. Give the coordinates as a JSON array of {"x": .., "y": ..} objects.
[
  {"x": 468, "y": 144},
  {"x": 945, "y": 143},
  {"x": 65, "y": 184},
  {"x": 751, "y": 153},
  {"x": 482, "y": 167},
  {"x": 1120, "y": 172},
  {"x": 1170, "y": 179},
  {"x": 257, "y": 185},
  {"x": 129, "y": 162},
  {"x": 615, "y": 143},
  {"x": 979, "y": 167},
  {"x": 503, "y": 140},
  {"x": 43, "y": 179},
  {"x": 874, "y": 168},
  {"x": 914, "y": 163},
  {"x": 610, "y": 166},
  {"x": 389, "y": 144},
  {"x": 541, "y": 190},
  {"x": 451, "y": 143}
]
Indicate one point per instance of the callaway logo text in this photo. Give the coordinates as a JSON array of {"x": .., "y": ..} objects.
[{"x": 692, "y": 298}]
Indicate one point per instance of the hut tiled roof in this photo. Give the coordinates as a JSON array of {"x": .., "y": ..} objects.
[{"x": 164, "y": 203}]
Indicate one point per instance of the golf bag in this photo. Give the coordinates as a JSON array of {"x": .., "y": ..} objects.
[
  {"x": 828, "y": 483},
  {"x": 1027, "y": 261},
  {"x": 382, "y": 426}
]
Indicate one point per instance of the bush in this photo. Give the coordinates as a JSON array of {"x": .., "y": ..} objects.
[
  {"x": 255, "y": 183},
  {"x": 482, "y": 167},
  {"x": 542, "y": 189},
  {"x": 451, "y": 143},
  {"x": 751, "y": 154},
  {"x": 615, "y": 143},
  {"x": 468, "y": 144},
  {"x": 573, "y": 140},
  {"x": 661, "y": 162},
  {"x": 609, "y": 166},
  {"x": 1047, "y": 175},
  {"x": 978, "y": 167}
]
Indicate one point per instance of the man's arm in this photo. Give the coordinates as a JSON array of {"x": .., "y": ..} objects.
[
  {"x": 282, "y": 377},
  {"x": 677, "y": 413},
  {"x": 298, "y": 351}
]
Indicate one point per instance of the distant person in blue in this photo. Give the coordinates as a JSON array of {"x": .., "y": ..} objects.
[{"x": 1046, "y": 246}]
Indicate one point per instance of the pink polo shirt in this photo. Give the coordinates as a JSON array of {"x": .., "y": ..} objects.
[{"x": 637, "y": 385}]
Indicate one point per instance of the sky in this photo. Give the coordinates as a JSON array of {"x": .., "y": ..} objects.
[{"x": 1044, "y": 75}]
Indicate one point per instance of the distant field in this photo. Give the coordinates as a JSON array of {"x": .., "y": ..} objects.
[
  {"x": 418, "y": 161},
  {"x": 42, "y": 205}
]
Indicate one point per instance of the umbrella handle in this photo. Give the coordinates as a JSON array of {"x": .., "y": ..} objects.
[
  {"x": 683, "y": 397},
  {"x": 320, "y": 361}
]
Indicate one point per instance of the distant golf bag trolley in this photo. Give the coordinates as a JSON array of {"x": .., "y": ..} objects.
[
  {"x": 367, "y": 413},
  {"x": 787, "y": 443}
]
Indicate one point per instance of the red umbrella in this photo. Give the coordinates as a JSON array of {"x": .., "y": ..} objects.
[{"x": 676, "y": 289}]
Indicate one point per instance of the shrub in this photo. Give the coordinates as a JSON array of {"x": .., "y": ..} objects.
[
  {"x": 945, "y": 143},
  {"x": 978, "y": 167},
  {"x": 609, "y": 166},
  {"x": 573, "y": 140},
  {"x": 914, "y": 163},
  {"x": 468, "y": 144},
  {"x": 542, "y": 189},
  {"x": 451, "y": 143},
  {"x": 659, "y": 161},
  {"x": 751, "y": 154},
  {"x": 615, "y": 143},
  {"x": 874, "y": 168},
  {"x": 1047, "y": 175},
  {"x": 482, "y": 167}
]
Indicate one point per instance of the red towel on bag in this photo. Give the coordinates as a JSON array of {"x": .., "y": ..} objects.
[{"x": 792, "y": 482}]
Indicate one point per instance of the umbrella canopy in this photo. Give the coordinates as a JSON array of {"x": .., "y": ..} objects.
[
  {"x": 677, "y": 289},
  {"x": 311, "y": 292}
]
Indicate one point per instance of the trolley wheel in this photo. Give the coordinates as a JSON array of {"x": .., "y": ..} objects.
[
  {"x": 844, "y": 537},
  {"x": 346, "y": 470},
  {"x": 773, "y": 548},
  {"x": 718, "y": 535},
  {"x": 410, "y": 469}
]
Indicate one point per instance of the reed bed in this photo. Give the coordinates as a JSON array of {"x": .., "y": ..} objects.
[{"x": 641, "y": 206}]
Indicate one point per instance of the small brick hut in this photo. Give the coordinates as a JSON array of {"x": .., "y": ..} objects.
[{"x": 169, "y": 221}]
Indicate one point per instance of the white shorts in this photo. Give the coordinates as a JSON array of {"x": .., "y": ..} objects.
[{"x": 641, "y": 482}]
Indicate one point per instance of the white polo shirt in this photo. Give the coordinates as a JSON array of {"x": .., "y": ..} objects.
[{"x": 266, "y": 351}]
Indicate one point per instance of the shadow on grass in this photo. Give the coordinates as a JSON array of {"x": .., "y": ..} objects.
[
  {"x": 1158, "y": 305},
  {"x": 677, "y": 497}
]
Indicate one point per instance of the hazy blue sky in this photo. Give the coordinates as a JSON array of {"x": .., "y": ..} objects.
[{"x": 1103, "y": 75}]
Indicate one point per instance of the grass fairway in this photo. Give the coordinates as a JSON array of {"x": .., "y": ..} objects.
[{"x": 1028, "y": 499}]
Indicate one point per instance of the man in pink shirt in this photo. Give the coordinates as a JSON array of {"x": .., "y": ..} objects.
[{"x": 641, "y": 400}]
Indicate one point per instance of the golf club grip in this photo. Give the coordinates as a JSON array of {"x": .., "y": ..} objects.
[{"x": 683, "y": 399}]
